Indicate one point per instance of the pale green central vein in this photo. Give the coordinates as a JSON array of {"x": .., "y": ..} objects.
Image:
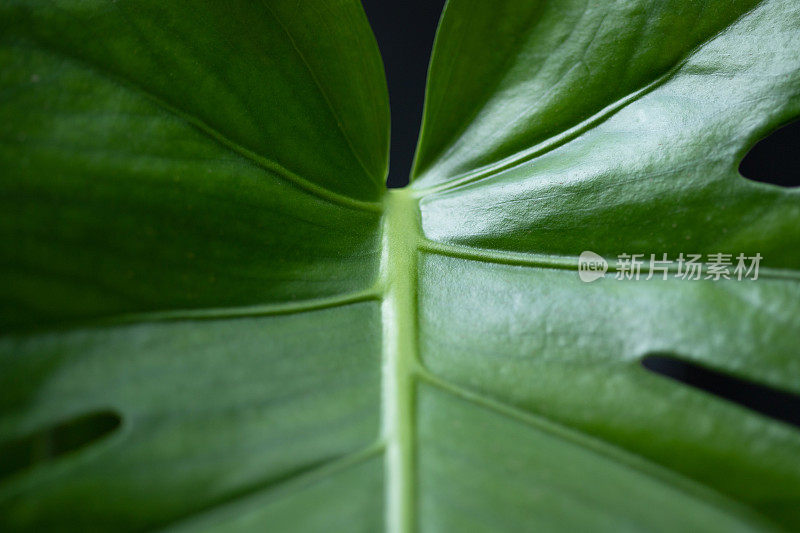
[{"x": 399, "y": 279}]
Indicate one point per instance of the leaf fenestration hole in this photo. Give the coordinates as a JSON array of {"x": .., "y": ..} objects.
[
  {"x": 776, "y": 158},
  {"x": 777, "y": 404},
  {"x": 55, "y": 441}
]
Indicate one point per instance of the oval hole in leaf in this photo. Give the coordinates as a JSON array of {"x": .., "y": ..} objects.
[
  {"x": 55, "y": 441},
  {"x": 776, "y": 158},
  {"x": 777, "y": 404}
]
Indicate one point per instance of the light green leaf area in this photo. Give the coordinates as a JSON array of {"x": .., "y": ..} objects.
[{"x": 215, "y": 318}]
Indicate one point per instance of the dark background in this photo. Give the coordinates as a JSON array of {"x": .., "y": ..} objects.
[{"x": 405, "y": 30}]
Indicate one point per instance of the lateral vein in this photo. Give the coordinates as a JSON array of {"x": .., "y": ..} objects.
[
  {"x": 262, "y": 162},
  {"x": 565, "y": 262},
  {"x": 608, "y": 450}
]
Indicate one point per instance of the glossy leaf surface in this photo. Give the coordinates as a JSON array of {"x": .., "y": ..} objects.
[{"x": 196, "y": 240}]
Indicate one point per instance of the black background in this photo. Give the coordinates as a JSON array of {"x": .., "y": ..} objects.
[{"x": 404, "y": 30}]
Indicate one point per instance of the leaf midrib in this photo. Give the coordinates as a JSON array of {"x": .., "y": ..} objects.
[{"x": 400, "y": 360}]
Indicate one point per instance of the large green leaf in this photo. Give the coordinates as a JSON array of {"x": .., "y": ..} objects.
[{"x": 196, "y": 248}]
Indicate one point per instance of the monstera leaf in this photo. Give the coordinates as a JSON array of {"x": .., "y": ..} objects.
[{"x": 215, "y": 317}]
